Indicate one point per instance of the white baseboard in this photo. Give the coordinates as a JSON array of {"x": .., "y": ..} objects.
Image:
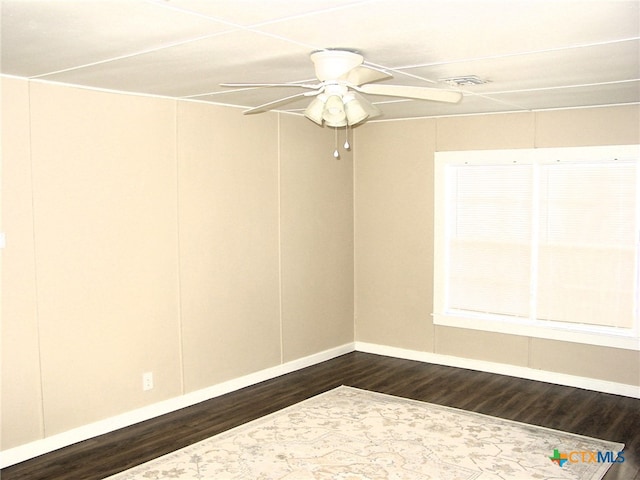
[
  {"x": 49, "y": 444},
  {"x": 54, "y": 442},
  {"x": 504, "y": 369}
]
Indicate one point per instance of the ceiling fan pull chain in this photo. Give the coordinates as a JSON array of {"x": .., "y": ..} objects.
[
  {"x": 346, "y": 137},
  {"x": 336, "y": 154}
]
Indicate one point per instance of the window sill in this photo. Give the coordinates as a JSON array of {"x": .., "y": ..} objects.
[{"x": 587, "y": 334}]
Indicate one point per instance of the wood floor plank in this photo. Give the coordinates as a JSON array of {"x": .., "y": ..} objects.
[{"x": 600, "y": 415}]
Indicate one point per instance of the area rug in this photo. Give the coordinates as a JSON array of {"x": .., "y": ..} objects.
[{"x": 353, "y": 434}]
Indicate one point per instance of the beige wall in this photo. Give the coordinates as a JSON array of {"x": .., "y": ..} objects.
[
  {"x": 393, "y": 242},
  {"x": 316, "y": 208},
  {"x": 394, "y": 238},
  {"x": 151, "y": 235},
  {"x": 228, "y": 225},
  {"x": 148, "y": 234},
  {"x": 104, "y": 170},
  {"x": 21, "y": 393}
]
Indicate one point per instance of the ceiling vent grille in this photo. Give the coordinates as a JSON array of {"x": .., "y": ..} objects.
[{"x": 465, "y": 81}]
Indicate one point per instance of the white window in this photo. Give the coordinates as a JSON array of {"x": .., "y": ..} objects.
[{"x": 541, "y": 242}]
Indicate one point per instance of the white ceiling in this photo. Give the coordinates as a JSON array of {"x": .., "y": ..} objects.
[{"x": 535, "y": 54}]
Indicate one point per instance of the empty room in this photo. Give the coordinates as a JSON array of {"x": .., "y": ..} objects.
[{"x": 323, "y": 239}]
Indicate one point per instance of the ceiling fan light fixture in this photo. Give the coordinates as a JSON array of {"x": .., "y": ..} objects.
[
  {"x": 334, "y": 113},
  {"x": 343, "y": 78}
]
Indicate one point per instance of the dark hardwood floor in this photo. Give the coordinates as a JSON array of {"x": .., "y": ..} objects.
[{"x": 600, "y": 415}]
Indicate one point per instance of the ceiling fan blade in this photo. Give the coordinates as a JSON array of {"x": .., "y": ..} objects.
[
  {"x": 276, "y": 103},
  {"x": 258, "y": 85},
  {"x": 419, "y": 93},
  {"x": 364, "y": 74}
]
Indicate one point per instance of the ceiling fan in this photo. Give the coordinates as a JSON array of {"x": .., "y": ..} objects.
[{"x": 343, "y": 77}]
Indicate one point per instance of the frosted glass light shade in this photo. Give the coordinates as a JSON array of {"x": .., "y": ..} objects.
[
  {"x": 337, "y": 110},
  {"x": 355, "y": 112},
  {"x": 315, "y": 109},
  {"x": 334, "y": 114}
]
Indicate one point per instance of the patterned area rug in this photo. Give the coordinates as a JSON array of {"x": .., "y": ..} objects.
[{"x": 352, "y": 434}]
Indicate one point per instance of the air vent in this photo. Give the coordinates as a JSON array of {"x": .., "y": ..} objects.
[{"x": 465, "y": 81}]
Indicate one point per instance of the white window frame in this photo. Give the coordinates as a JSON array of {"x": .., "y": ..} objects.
[{"x": 626, "y": 338}]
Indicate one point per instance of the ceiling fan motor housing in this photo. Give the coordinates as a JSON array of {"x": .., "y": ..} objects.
[{"x": 333, "y": 64}]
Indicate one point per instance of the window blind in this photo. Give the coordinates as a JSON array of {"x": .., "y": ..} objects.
[
  {"x": 543, "y": 240},
  {"x": 490, "y": 233},
  {"x": 587, "y": 243}
]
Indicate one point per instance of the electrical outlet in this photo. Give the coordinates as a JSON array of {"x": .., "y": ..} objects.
[{"x": 147, "y": 381}]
